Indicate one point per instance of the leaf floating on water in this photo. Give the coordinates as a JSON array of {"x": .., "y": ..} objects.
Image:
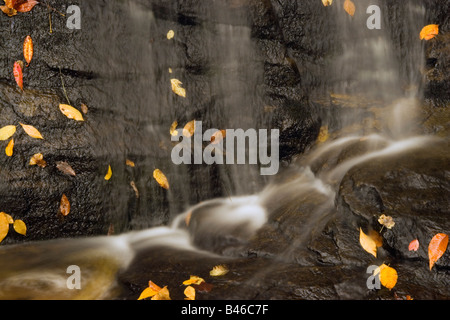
[
  {"x": 70, "y": 112},
  {"x": 388, "y": 276},
  {"x": 7, "y": 132},
  {"x": 38, "y": 159},
  {"x": 4, "y": 226},
  {"x": 437, "y": 247},
  {"x": 327, "y": 3},
  {"x": 150, "y": 291},
  {"x": 177, "y": 89},
  {"x": 64, "y": 167},
  {"x": 31, "y": 131},
  {"x": 64, "y": 206},
  {"x": 193, "y": 280},
  {"x": 159, "y": 176},
  {"x": 189, "y": 129},
  {"x": 108, "y": 174},
  {"x": 170, "y": 34},
  {"x": 349, "y": 7},
  {"x": 189, "y": 292},
  {"x": 367, "y": 243},
  {"x": 20, "y": 227},
  {"x": 10, "y": 148},
  {"x": 162, "y": 294},
  {"x": 429, "y": 32},
  {"x": 28, "y": 50},
  {"x": 18, "y": 73},
  {"x": 218, "y": 271},
  {"x": 413, "y": 245},
  {"x": 386, "y": 221}
]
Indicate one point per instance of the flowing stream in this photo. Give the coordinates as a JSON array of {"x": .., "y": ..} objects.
[{"x": 367, "y": 67}]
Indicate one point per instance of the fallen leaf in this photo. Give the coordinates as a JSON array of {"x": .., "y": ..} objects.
[
  {"x": 20, "y": 227},
  {"x": 323, "y": 134},
  {"x": 7, "y": 132},
  {"x": 130, "y": 163},
  {"x": 177, "y": 89},
  {"x": 38, "y": 159},
  {"x": 376, "y": 237},
  {"x": 203, "y": 287},
  {"x": 26, "y": 6},
  {"x": 429, "y": 32},
  {"x": 327, "y": 3},
  {"x": 8, "y": 217},
  {"x": 218, "y": 271},
  {"x": 9, "y": 11},
  {"x": 189, "y": 292},
  {"x": 170, "y": 34},
  {"x": 437, "y": 247},
  {"x": 386, "y": 221},
  {"x": 159, "y": 176},
  {"x": 18, "y": 73},
  {"x": 193, "y": 280},
  {"x": 10, "y": 148},
  {"x": 150, "y": 291},
  {"x": 108, "y": 174},
  {"x": 367, "y": 243},
  {"x": 218, "y": 136},
  {"x": 64, "y": 206},
  {"x": 349, "y": 7},
  {"x": 162, "y": 294},
  {"x": 70, "y": 112},
  {"x": 31, "y": 131},
  {"x": 189, "y": 129},
  {"x": 136, "y": 191},
  {"x": 4, "y": 226},
  {"x": 388, "y": 276},
  {"x": 173, "y": 129},
  {"x": 64, "y": 167},
  {"x": 413, "y": 245},
  {"x": 28, "y": 50},
  {"x": 84, "y": 108}
]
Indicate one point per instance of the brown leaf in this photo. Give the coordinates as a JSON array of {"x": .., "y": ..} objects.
[
  {"x": 136, "y": 191},
  {"x": 64, "y": 167},
  {"x": 64, "y": 207},
  {"x": 203, "y": 287},
  {"x": 38, "y": 159}
]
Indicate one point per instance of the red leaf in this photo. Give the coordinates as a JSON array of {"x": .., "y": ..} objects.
[
  {"x": 413, "y": 245},
  {"x": 18, "y": 74},
  {"x": 26, "y": 6}
]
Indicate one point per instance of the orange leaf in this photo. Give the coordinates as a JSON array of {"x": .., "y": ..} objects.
[
  {"x": 70, "y": 112},
  {"x": 31, "y": 131},
  {"x": 162, "y": 294},
  {"x": 64, "y": 207},
  {"x": 413, "y": 245},
  {"x": 26, "y": 6},
  {"x": 161, "y": 179},
  {"x": 18, "y": 73},
  {"x": 388, "y": 276},
  {"x": 9, "y": 11},
  {"x": 152, "y": 290},
  {"x": 368, "y": 243},
  {"x": 108, "y": 174},
  {"x": 218, "y": 136},
  {"x": 429, "y": 32},
  {"x": 349, "y": 7},
  {"x": 437, "y": 248},
  {"x": 189, "y": 129},
  {"x": 20, "y": 227},
  {"x": 189, "y": 292},
  {"x": 193, "y": 280},
  {"x": 28, "y": 49},
  {"x": 4, "y": 226},
  {"x": 9, "y": 148}
]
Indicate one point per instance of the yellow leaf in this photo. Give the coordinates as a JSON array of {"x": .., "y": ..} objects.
[
  {"x": 20, "y": 227},
  {"x": 349, "y": 7},
  {"x": 388, "y": 276},
  {"x": 218, "y": 271},
  {"x": 323, "y": 135},
  {"x": 4, "y": 226},
  {"x": 130, "y": 163},
  {"x": 189, "y": 129},
  {"x": 170, "y": 34},
  {"x": 7, "y": 132},
  {"x": 376, "y": 237},
  {"x": 38, "y": 159},
  {"x": 177, "y": 89},
  {"x": 70, "y": 112},
  {"x": 367, "y": 243},
  {"x": 8, "y": 217},
  {"x": 429, "y": 32},
  {"x": 9, "y": 148},
  {"x": 386, "y": 221},
  {"x": 147, "y": 293},
  {"x": 108, "y": 174},
  {"x": 161, "y": 179},
  {"x": 31, "y": 131},
  {"x": 173, "y": 129},
  {"x": 327, "y": 3},
  {"x": 189, "y": 292},
  {"x": 162, "y": 294},
  {"x": 193, "y": 280}
]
